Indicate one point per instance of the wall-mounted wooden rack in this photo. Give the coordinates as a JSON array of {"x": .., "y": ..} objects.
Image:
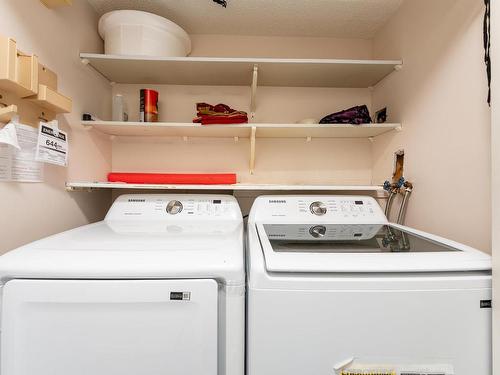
[
  {"x": 52, "y": 100},
  {"x": 18, "y": 71},
  {"x": 28, "y": 88}
]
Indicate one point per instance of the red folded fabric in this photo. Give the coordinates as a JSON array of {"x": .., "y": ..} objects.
[
  {"x": 174, "y": 178},
  {"x": 216, "y": 120},
  {"x": 218, "y": 114}
]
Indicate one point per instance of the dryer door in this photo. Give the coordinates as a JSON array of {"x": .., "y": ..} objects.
[{"x": 99, "y": 327}]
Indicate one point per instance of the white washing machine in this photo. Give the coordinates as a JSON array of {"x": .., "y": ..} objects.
[
  {"x": 156, "y": 288},
  {"x": 333, "y": 287}
]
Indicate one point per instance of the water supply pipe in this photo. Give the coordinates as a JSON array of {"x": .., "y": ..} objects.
[{"x": 404, "y": 204}]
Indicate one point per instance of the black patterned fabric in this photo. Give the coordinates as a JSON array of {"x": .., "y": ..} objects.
[{"x": 355, "y": 115}]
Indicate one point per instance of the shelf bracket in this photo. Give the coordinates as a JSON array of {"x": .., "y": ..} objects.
[
  {"x": 80, "y": 189},
  {"x": 252, "y": 149},
  {"x": 86, "y": 62},
  {"x": 254, "y": 90}
]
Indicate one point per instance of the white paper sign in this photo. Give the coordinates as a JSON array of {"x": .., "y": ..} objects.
[
  {"x": 52, "y": 145},
  {"x": 5, "y": 162},
  {"x": 20, "y": 164},
  {"x": 8, "y": 135}
]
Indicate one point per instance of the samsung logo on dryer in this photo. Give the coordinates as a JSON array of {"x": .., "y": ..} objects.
[
  {"x": 277, "y": 201},
  {"x": 136, "y": 200}
]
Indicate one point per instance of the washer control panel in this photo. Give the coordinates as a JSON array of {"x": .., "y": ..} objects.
[
  {"x": 348, "y": 209},
  {"x": 178, "y": 207},
  {"x": 344, "y": 207},
  {"x": 174, "y": 207},
  {"x": 317, "y": 208}
]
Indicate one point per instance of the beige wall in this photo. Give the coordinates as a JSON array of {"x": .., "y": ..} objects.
[
  {"x": 440, "y": 95},
  {"x": 31, "y": 211},
  {"x": 284, "y": 47}
]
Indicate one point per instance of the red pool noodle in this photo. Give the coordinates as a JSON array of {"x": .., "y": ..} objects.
[{"x": 174, "y": 178}]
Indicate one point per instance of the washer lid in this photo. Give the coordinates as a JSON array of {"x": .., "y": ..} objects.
[{"x": 363, "y": 248}]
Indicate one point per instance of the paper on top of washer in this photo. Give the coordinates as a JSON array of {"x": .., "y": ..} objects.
[{"x": 393, "y": 367}]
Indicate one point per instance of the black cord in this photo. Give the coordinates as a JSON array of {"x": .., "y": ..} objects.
[
  {"x": 487, "y": 43},
  {"x": 221, "y": 2}
]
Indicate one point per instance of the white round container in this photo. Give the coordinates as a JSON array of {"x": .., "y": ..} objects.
[{"x": 136, "y": 33}]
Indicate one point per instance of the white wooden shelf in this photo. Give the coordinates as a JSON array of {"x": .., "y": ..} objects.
[
  {"x": 215, "y": 71},
  {"x": 251, "y": 131},
  {"x": 75, "y": 186},
  {"x": 167, "y": 129}
]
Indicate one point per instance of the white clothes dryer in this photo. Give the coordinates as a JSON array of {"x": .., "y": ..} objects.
[{"x": 155, "y": 288}]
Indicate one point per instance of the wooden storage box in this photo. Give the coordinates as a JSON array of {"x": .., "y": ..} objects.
[
  {"x": 52, "y": 100},
  {"x": 47, "y": 77},
  {"x": 18, "y": 71}
]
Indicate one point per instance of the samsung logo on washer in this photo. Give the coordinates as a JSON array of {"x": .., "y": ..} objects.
[
  {"x": 277, "y": 201},
  {"x": 136, "y": 200}
]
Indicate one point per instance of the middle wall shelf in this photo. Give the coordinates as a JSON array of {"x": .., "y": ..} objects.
[
  {"x": 251, "y": 131},
  {"x": 169, "y": 129}
]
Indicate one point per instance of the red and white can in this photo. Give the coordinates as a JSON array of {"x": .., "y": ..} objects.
[{"x": 149, "y": 106}]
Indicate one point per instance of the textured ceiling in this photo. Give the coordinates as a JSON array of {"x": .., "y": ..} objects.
[{"x": 323, "y": 18}]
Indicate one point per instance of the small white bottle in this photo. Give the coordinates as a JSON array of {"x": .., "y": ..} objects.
[{"x": 120, "y": 112}]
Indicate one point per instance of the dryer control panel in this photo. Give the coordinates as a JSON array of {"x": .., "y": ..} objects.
[
  {"x": 342, "y": 209},
  {"x": 174, "y": 207}
]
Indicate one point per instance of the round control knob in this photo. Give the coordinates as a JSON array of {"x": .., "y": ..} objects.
[
  {"x": 318, "y": 208},
  {"x": 317, "y": 231},
  {"x": 174, "y": 207}
]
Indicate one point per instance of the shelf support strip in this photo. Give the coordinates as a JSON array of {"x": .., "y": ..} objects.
[
  {"x": 252, "y": 149},
  {"x": 254, "y": 90}
]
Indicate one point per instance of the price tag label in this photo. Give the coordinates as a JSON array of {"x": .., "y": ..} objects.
[{"x": 52, "y": 146}]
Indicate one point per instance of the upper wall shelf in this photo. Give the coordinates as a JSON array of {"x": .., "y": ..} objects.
[{"x": 216, "y": 71}]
